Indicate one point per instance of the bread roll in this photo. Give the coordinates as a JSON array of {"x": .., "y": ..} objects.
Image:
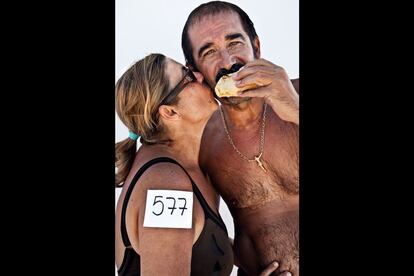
[{"x": 226, "y": 87}]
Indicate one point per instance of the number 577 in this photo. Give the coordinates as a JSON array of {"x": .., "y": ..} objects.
[{"x": 156, "y": 201}]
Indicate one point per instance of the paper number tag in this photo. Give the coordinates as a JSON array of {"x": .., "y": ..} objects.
[{"x": 169, "y": 209}]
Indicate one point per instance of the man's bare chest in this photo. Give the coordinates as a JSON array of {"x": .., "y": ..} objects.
[{"x": 244, "y": 183}]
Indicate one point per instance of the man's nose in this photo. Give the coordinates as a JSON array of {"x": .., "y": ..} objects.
[
  {"x": 198, "y": 76},
  {"x": 226, "y": 60}
]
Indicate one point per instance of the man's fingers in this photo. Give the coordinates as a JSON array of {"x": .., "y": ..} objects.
[
  {"x": 285, "y": 273},
  {"x": 254, "y": 66},
  {"x": 247, "y": 71},
  {"x": 258, "y": 79},
  {"x": 269, "y": 269},
  {"x": 258, "y": 92}
]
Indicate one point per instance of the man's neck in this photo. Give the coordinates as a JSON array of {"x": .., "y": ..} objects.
[{"x": 244, "y": 115}]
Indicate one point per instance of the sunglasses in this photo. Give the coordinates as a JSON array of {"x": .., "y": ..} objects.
[{"x": 188, "y": 77}]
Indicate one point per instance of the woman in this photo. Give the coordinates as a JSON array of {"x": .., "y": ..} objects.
[{"x": 168, "y": 106}]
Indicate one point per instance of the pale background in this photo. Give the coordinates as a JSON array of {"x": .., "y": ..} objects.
[{"x": 154, "y": 26}]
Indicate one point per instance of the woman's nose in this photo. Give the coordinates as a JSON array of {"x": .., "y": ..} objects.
[{"x": 198, "y": 76}]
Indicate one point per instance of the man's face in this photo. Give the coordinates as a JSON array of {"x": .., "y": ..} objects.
[{"x": 218, "y": 42}]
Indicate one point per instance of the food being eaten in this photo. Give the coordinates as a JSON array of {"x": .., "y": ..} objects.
[{"x": 226, "y": 87}]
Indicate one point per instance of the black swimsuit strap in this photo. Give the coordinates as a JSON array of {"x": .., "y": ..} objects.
[{"x": 207, "y": 210}]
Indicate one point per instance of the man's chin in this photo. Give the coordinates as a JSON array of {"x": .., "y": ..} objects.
[
  {"x": 227, "y": 100},
  {"x": 233, "y": 100}
]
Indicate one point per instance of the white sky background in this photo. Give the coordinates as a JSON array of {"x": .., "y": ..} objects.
[{"x": 154, "y": 26}]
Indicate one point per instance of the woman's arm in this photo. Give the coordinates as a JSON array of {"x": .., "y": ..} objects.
[{"x": 164, "y": 250}]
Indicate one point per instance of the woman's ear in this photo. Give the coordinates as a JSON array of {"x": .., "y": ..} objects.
[{"x": 168, "y": 112}]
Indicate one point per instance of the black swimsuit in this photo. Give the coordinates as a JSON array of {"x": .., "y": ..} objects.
[{"x": 212, "y": 253}]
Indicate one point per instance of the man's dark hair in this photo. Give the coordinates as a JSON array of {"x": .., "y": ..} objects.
[{"x": 212, "y": 8}]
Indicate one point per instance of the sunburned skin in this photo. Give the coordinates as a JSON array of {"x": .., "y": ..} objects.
[{"x": 264, "y": 205}]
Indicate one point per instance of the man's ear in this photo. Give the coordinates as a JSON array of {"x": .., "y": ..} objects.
[
  {"x": 168, "y": 112},
  {"x": 256, "y": 47}
]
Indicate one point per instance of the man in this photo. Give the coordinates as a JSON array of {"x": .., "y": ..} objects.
[{"x": 249, "y": 148}]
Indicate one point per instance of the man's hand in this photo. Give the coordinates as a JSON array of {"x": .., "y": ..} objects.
[
  {"x": 274, "y": 86},
  {"x": 272, "y": 267}
]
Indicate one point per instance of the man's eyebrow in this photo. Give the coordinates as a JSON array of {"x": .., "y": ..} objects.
[
  {"x": 205, "y": 46},
  {"x": 227, "y": 37},
  {"x": 234, "y": 36}
]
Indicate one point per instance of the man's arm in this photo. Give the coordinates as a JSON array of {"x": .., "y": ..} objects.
[{"x": 295, "y": 83}]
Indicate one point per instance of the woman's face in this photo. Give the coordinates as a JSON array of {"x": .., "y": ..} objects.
[{"x": 195, "y": 99}]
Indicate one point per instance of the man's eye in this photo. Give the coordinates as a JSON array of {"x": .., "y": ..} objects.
[
  {"x": 208, "y": 53},
  {"x": 234, "y": 43}
]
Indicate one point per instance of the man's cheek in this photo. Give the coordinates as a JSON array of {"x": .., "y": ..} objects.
[
  {"x": 211, "y": 79},
  {"x": 212, "y": 84}
]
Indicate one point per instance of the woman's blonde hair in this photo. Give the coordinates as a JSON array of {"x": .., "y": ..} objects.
[{"x": 138, "y": 94}]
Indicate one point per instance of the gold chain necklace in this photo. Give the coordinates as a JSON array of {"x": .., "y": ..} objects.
[{"x": 262, "y": 131}]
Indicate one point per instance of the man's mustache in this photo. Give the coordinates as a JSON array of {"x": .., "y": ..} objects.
[{"x": 222, "y": 72}]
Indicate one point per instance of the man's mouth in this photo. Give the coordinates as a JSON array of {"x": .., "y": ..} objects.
[{"x": 222, "y": 72}]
